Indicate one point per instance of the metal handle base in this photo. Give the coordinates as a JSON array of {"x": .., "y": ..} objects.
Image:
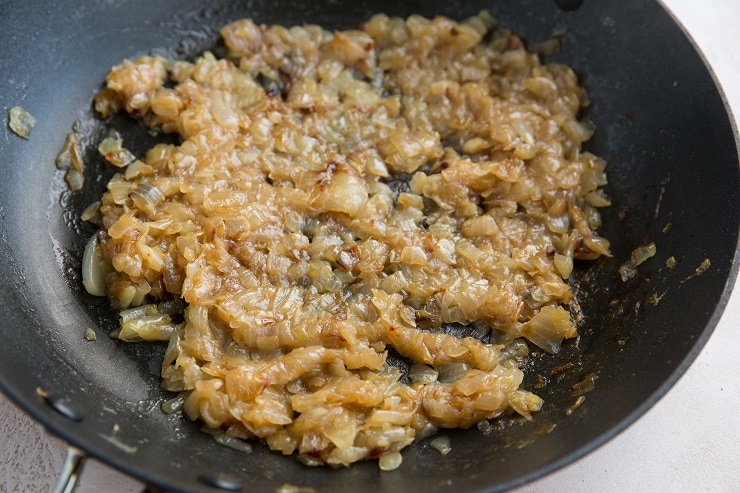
[{"x": 71, "y": 470}]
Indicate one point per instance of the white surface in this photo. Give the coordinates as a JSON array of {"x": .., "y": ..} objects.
[{"x": 690, "y": 440}]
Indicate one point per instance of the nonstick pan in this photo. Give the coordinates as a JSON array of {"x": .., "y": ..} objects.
[{"x": 673, "y": 171}]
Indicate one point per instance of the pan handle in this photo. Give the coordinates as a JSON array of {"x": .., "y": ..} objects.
[{"x": 71, "y": 470}]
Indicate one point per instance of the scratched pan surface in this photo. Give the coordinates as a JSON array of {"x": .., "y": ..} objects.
[{"x": 673, "y": 173}]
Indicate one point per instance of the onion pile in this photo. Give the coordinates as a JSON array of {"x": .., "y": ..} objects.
[{"x": 339, "y": 195}]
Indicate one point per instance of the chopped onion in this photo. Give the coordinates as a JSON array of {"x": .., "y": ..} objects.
[
  {"x": 525, "y": 402},
  {"x": 21, "y": 121},
  {"x": 541, "y": 86},
  {"x": 71, "y": 154},
  {"x": 524, "y": 130},
  {"x": 112, "y": 149},
  {"x": 545, "y": 48},
  {"x": 549, "y": 327},
  {"x": 452, "y": 372},
  {"x": 558, "y": 224},
  {"x": 578, "y": 131},
  {"x": 705, "y": 264},
  {"x": 146, "y": 197},
  {"x": 475, "y": 146},
  {"x": 232, "y": 442},
  {"x": 422, "y": 374},
  {"x": 390, "y": 461},
  {"x": 91, "y": 211},
  {"x": 74, "y": 179},
  {"x": 119, "y": 189},
  {"x": 171, "y": 406},
  {"x": 563, "y": 264},
  {"x": 145, "y": 323},
  {"x": 70, "y": 159},
  {"x": 643, "y": 253},
  {"x": 413, "y": 255},
  {"x": 376, "y": 167},
  {"x": 601, "y": 246},
  {"x": 466, "y": 248},
  {"x": 484, "y": 225},
  {"x": 138, "y": 168},
  {"x": 302, "y": 237},
  {"x": 515, "y": 349},
  {"x": 345, "y": 193},
  {"x": 597, "y": 198},
  {"x": 289, "y": 488},
  {"x": 92, "y": 268},
  {"x": 346, "y": 456},
  {"x": 441, "y": 444},
  {"x": 639, "y": 255},
  {"x": 484, "y": 426}
]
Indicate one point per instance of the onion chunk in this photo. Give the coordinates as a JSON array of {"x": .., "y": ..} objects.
[{"x": 20, "y": 121}]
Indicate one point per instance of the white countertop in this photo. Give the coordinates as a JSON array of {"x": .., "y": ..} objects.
[{"x": 676, "y": 446}]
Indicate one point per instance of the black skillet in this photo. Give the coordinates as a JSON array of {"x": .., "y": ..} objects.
[{"x": 673, "y": 178}]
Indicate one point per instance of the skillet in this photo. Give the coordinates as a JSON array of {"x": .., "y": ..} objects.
[{"x": 661, "y": 126}]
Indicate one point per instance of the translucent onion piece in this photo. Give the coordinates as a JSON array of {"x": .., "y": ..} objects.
[
  {"x": 601, "y": 246},
  {"x": 545, "y": 48},
  {"x": 484, "y": 426},
  {"x": 232, "y": 442},
  {"x": 20, "y": 121},
  {"x": 92, "y": 268},
  {"x": 91, "y": 211},
  {"x": 597, "y": 198},
  {"x": 71, "y": 154},
  {"x": 145, "y": 323},
  {"x": 525, "y": 402},
  {"x": 289, "y": 488},
  {"x": 628, "y": 270},
  {"x": 74, "y": 179},
  {"x": 563, "y": 264},
  {"x": 112, "y": 149},
  {"x": 171, "y": 406},
  {"x": 423, "y": 374},
  {"x": 441, "y": 444},
  {"x": 452, "y": 372},
  {"x": 549, "y": 327},
  {"x": 390, "y": 461},
  {"x": 515, "y": 349},
  {"x": 146, "y": 196},
  {"x": 541, "y": 86}
]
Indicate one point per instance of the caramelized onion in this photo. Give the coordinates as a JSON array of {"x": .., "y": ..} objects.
[{"x": 338, "y": 201}]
